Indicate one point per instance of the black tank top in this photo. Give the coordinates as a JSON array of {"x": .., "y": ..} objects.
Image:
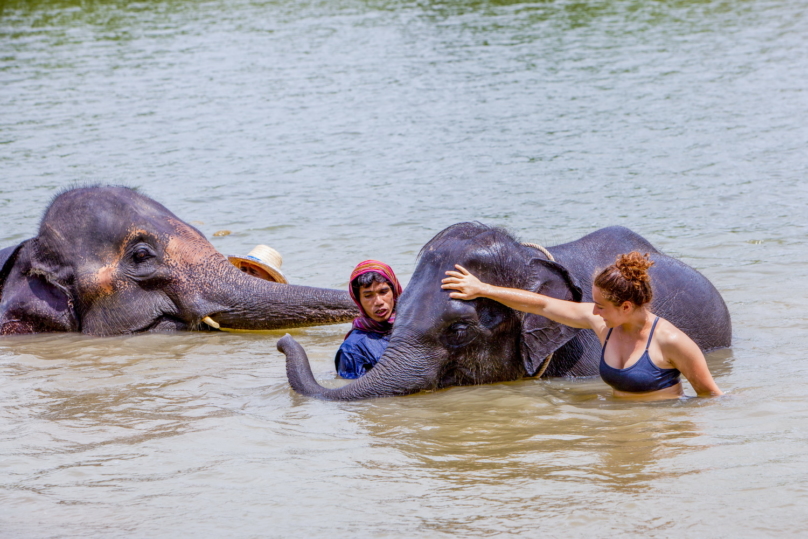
[{"x": 641, "y": 377}]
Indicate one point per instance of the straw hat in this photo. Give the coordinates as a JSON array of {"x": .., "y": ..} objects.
[{"x": 264, "y": 257}]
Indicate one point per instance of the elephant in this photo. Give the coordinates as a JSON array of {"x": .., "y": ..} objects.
[
  {"x": 108, "y": 260},
  {"x": 439, "y": 342}
]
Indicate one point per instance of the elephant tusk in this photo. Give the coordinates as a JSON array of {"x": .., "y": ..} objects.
[{"x": 209, "y": 321}]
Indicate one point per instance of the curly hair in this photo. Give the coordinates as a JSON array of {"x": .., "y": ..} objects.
[{"x": 627, "y": 279}]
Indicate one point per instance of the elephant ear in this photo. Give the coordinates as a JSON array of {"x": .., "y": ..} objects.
[
  {"x": 33, "y": 297},
  {"x": 8, "y": 257},
  {"x": 542, "y": 336}
]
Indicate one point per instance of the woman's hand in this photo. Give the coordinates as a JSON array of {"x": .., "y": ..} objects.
[{"x": 467, "y": 285}]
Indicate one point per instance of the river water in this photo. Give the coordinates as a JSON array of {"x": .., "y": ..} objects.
[{"x": 347, "y": 129}]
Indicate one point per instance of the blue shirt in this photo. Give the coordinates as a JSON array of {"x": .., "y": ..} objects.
[{"x": 359, "y": 353}]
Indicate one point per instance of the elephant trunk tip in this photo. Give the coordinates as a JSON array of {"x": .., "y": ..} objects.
[
  {"x": 298, "y": 369},
  {"x": 285, "y": 344}
]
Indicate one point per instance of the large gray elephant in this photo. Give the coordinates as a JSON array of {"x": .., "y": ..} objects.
[
  {"x": 110, "y": 261},
  {"x": 439, "y": 342}
]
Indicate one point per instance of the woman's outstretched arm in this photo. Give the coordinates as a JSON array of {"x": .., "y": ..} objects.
[{"x": 467, "y": 286}]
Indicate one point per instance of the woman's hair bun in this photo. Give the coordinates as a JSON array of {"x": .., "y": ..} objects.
[
  {"x": 627, "y": 279},
  {"x": 634, "y": 266}
]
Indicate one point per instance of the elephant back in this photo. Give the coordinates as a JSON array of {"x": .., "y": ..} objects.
[{"x": 688, "y": 300}]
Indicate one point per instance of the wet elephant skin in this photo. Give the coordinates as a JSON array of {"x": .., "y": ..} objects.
[
  {"x": 439, "y": 342},
  {"x": 110, "y": 261}
]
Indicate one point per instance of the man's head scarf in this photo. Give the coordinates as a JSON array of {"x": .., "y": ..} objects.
[{"x": 365, "y": 322}]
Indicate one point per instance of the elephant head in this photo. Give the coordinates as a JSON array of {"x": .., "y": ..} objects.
[
  {"x": 440, "y": 342},
  {"x": 109, "y": 261}
]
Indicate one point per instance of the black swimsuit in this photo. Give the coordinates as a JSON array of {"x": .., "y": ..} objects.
[{"x": 641, "y": 377}]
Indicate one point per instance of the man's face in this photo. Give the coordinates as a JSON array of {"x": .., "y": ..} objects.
[
  {"x": 255, "y": 271},
  {"x": 377, "y": 301}
]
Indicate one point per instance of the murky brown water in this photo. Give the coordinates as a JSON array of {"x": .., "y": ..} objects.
[{"x": 338, "y": 131}]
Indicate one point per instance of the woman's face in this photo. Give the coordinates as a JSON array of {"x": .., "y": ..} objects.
[
  {"x": 613, "y": 315},
  {"x": 377, "y": 301}
]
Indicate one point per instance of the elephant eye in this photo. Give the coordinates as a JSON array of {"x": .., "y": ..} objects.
[
  {"x": 141, "y": 254},
  {"x": 459, "y": 334}
]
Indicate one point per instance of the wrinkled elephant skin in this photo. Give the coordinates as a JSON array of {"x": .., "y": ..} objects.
[
  {"x": 439, "y": 342},
  {"x": 110, "y": 261}
]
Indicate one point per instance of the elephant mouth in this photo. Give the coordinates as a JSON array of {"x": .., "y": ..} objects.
[{"x": 164, "y": 324}]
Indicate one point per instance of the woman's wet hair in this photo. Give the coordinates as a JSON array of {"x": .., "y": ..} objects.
[
  {"x": 367, "y": 279},
  {"x": 627, "y": 279}
]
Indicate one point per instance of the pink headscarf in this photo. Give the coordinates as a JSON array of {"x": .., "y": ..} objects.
[{"x": 364, "y": 322}]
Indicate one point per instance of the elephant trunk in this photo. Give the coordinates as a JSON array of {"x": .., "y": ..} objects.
[
  {"x": 235, "y": 300},
  {"x": 393, "y": 375}
]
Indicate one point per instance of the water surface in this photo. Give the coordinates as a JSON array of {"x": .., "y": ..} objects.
[{"x": 343, "y": 130}]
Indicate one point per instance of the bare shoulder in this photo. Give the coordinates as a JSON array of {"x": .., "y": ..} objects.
[
  {"x": 672, "y": 339},
  {"x": 680, "y": 351}
]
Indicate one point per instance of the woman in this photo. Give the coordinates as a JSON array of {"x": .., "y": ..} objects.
[
  {"x": 375, "y": 289},
  {"x": 642, "y": 354}
]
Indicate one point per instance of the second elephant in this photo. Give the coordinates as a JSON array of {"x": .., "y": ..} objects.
[{"x": 439, "y": 342}]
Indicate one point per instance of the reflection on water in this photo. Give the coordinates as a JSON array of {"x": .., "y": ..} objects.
[
  {"x": 85, "y": 392},
  {"x": 131, "y": 418},
  {"x": 533, "y": 431}
]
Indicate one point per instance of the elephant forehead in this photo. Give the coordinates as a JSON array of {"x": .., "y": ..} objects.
[
  {"x": 186, "y": 248},
  {"x": 96, "y": 204},
  {"x": 435, "y": 308},
  {"x": 86, "y": 220},
  {"x": 458, "y": 308},
  {"x": 483, "y": 261}
]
